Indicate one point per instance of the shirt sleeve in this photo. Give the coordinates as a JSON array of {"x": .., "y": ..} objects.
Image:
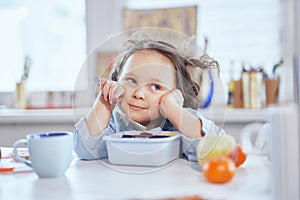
[
  {"x": 88, "y": 147},
  {"x": 189, "y": 145}
]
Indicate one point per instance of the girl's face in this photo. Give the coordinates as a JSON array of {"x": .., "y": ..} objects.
[{"x": 146, "y": 76}]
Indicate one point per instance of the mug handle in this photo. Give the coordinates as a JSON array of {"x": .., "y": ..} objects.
[
  {"x": 17, "y": 144},
  {"x": 248, "y": 134}
]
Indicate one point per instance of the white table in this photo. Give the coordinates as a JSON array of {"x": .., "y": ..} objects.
[{"x": 100, "y": 180}]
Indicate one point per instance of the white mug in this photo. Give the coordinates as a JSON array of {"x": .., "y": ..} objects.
[
  {"x": 50, "y": 154},
  {"x": 255, "y": 138}
]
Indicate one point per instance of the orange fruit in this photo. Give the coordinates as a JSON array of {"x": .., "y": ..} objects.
[
  {"x": 218, "y": 169},
  {"x": 240, "y": 156}
]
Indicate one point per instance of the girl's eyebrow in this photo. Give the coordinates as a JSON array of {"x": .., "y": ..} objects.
[
  {"x": 129, "y": 74},
  {"x": 157, "y": 81}
]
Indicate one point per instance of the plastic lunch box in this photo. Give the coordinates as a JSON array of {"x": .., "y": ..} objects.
[{"x": 142, "y": 151}]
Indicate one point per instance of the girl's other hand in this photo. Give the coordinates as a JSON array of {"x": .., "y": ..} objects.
[
  {"x": 111, "y": 91},
  {"x": 173, "y": 96},
  {"x": 170, "y": 98}
]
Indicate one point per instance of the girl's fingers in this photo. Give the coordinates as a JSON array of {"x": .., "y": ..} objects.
[
  {"x": 111, "y": 96},
  {"x": 102, "y": 82},
  {"x": 105, "y": 90},
  {"x": 112, "y": 92},
  {"x": 118, "y": 94}
]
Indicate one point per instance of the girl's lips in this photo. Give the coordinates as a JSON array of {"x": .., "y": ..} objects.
[{"x": 135, "y": 107}]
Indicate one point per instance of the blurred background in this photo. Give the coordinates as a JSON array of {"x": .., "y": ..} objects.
[
  {"x": 46, "y": 45},
  {"x": 57, "y": 36}
]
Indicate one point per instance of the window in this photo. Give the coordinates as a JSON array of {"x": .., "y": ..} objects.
[
  {"x": 51, "y": 33},
  {"x": 241, "y": 31}
]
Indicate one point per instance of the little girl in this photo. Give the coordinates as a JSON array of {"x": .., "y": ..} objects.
[{"x": 152, "y": 88}]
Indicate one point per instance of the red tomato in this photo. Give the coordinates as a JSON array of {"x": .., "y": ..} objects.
[{"x": 219, "y": 169}]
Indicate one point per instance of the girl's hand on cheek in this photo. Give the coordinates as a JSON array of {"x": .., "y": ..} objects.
[
  {"x": 172, "y": 97},
  {"x": 111, "y": 91}
]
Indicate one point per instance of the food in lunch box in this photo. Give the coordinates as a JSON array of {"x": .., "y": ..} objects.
[{"x": 149, "y": 135}]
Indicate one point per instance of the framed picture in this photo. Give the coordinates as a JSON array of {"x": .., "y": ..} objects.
[{"x": 181, "y": 19}]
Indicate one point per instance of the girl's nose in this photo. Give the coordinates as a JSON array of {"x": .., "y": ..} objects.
[{"x": 139, "y": 93}]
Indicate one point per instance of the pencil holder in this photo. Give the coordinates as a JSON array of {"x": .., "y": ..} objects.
[
  {"x": 20, "y": 95},
  {"x": 272, "y": 91}
]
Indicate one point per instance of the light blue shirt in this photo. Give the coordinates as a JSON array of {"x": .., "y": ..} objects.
[{"x": 88, "y": 147}]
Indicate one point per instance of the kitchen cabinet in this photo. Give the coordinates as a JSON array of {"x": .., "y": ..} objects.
[{"x": 16, "y": 123}]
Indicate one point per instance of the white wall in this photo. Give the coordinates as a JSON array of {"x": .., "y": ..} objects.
[
  {"x": 288, "y": 41},
  {"x": 103, "y": 20}
]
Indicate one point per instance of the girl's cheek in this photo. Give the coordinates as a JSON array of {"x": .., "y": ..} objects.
[
  {"x": 126, "y": 95},
  {"x": 156, "y": 98},
  {"x": 129, "y": 91}
]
